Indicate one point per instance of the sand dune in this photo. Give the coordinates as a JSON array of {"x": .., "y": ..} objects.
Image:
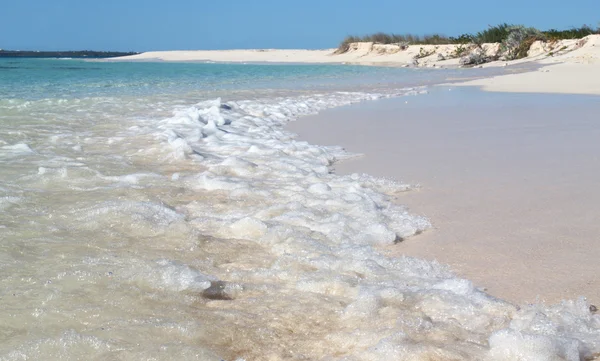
[{"x": 573, "y": 72}]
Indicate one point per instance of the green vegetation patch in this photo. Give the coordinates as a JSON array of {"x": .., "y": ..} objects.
[{"x": 514, "y": 38}]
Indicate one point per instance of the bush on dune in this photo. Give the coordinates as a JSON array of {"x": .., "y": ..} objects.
[
  {"x": 519, "y": 40},
  {"x": 493, "y": 34},
  {"x": 574, "y": 33},
  {"x": 398, "y": 39},
  {"x": 345, "y": 45},
  {"x": 475, "y": 57}
]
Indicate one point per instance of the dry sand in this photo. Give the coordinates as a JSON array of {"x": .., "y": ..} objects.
[{"x": 508, "y": 180}]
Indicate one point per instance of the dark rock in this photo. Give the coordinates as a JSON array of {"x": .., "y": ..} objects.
[
  {"x": 226, "y": 107},
  {"x": 217, "y": 291},
  {"x": 593, "y": 309}
]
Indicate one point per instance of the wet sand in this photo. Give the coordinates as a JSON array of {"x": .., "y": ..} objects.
[{"x": 509, "y": 181}]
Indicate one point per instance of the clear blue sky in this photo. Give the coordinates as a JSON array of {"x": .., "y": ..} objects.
[{"x": 142, "y": 25}]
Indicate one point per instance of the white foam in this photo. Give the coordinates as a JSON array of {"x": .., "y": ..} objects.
[
  {"x": 279, "y": 192},
  {"x": 174, "y": 276},
  {"x": 245, "y": 147},
  {"x": 15, "y": 150},
  {"x": 8, "y": 201}
]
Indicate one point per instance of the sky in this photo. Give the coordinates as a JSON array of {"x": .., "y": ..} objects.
[{"x": 143, "y": 25}]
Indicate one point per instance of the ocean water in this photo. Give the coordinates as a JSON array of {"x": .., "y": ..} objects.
[{"x": 162, "y": 211}]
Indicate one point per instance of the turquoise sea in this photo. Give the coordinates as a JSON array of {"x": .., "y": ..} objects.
[
  {"x": 68, "y": 78},
  {"x": 162, "y": 211}
]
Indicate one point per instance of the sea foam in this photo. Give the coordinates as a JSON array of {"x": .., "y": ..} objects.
[
  {"x": 220, "y": 235},
  {"x": 323, "y": 230}
]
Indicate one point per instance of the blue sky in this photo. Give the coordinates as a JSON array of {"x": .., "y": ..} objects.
[{"x": 141, "y": 25}]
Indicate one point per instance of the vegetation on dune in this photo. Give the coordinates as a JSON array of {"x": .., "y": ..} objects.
[
  {"x": 515, "y": 40},
  {"x": 575, "y": 33},
  {"x": 493, "y": 34},
  {"x": 518, "y": 41},
  {"x": 400, "y": 39},
  {"x": 383, "y": 38}
]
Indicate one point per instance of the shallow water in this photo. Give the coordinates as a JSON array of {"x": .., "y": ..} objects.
[{"x": 161, "y": 211}]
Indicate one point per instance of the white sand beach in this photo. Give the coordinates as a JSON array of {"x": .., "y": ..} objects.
[
  {"x": 509, "y": 177},
  {"x": 508, "y": 181}
]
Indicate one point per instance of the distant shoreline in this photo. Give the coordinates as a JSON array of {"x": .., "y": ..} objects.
[{"x": 80, "y": 54}]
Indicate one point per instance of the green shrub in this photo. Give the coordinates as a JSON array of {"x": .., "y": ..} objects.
[
  {"x": 424, "y": 53},
  {"x": 435, "y": 39},
  {"x": 519, "y": 40},
  {"x": 493, "y": 34},
  {"x": 345, "y": 44},
  {"x": 463, "y": 39},
  {"x": 475, "y": 57},
  {"x": 382, "y": 38},
  {"x": 574, "y": 33},
  {"x": 460, "y": 50},
  {"x": 404, "y": 39}
]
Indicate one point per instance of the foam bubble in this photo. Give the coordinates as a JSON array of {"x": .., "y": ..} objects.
[
  {"x": 15, "y": 150},
  {"x": 177, "y": 277}
]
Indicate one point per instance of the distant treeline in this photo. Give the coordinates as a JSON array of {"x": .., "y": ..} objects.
[
  {"x": 62, "y": 54},
  {"x": 494, "y": 34}
]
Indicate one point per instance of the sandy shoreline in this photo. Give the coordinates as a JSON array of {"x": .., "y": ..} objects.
[{"x": 507, "y": 180}]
